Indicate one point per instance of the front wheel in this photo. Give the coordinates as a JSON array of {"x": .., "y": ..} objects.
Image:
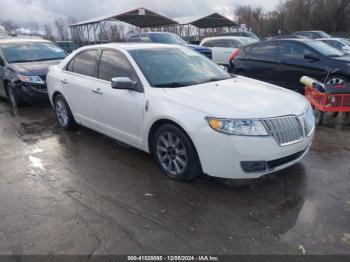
[
  {"x": 175, "y": 153},
  {"x": 63, "y": 113},
  {"x": 336, "y": 80}
]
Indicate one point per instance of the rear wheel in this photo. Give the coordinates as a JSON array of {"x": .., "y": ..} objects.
[
  {"x": 63, "y": 113},
  {"x": 175, "y": 153}
]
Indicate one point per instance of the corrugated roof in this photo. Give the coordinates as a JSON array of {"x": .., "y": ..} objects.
[
  {"x": 208, "y": 21},
  {"x": 140, "y": 17}
]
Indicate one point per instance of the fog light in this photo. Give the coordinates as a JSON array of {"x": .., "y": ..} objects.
[{"x": 254, "y": 166}]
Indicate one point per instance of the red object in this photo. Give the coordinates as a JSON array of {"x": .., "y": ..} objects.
[
  {"x": 328, "y": 102},
  {"x": 233, "y": 54}
]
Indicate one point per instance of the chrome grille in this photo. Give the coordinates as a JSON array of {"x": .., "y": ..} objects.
[{"x": 286, "y": 130}]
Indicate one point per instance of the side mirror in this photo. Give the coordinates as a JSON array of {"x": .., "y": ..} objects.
[
  {"x": 124, "y": 83},
  {"x": 311, "y": 57}
]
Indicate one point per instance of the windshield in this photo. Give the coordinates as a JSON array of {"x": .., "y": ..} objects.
[
  {"x": 30, "y": 52},
  {"x": 165, "y": 67},
  {"x": 346, "y": 41},
  {"x": 323, "y": 35},
  {"x": 167, "y": 38},
  {"x": 325, "y": 49},
  {"x": 248, "y": 40}
]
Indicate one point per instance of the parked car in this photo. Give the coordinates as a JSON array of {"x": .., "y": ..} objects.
[
  {"x": 342, "y": 44},
  {"x": 277, "y": 37},
  {"x": 312, "y": 34},
  {"x": 167, "y": 38},
  {"x": 23, "y": 67},
  {"x": 190, "y": 114},
  {"x": 68, "y": 46},
  {"x": 223, "y": 46},
  {"x": 283, "y": 62},
  {"x": 242, "y": 33}
]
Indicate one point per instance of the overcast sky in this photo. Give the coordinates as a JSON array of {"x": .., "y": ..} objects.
[{"x": 24, "y": 12}]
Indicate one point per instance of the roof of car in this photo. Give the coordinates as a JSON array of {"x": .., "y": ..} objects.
[
  {"x": 226, "y": 37},
  {"x": 333, "y": 38},
  {"x": 22, "y": 40},
  {"x": 132, "y": 46},
  {"x": 312, "y": 31}
]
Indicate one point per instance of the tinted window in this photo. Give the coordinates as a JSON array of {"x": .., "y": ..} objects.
[
  {"x": 70, "y": 66},
  {"x": 145, "y": 39},
  {"x": 84, "y": 63},
  {"x": 290, "y": 50},
  {"x": 335, "y": 44},
  {"x": 222, "y": 43},
  {"x": 114, "y": 64},
  {"x": 264, "y": 50}
]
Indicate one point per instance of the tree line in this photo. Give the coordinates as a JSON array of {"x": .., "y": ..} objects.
[{"x": 332, "y": 16}]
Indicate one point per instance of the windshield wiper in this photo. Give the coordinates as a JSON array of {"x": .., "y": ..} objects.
[
  {"x": 173, "y": 84},
  {"x": 216, "y": 79}
]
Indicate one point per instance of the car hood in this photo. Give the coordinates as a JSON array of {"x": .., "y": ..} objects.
[
  {"x": 33, "y": 68},
  {"x": 239, "y": 97}
]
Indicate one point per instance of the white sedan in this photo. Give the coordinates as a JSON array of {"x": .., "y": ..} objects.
[
  {"x": 223, "y": 46},
  {"x": 338, "y": 43},
  {"x": 176, "y": 104}
]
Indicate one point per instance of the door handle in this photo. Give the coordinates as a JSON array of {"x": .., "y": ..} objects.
[
  {"x": 97, "y": 91},
  {"x": 65, "y": 81}
]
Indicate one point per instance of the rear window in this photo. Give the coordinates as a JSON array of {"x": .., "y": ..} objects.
[
  {"x": 85, "y": 62},
  {"x": 262, "y": 50}
]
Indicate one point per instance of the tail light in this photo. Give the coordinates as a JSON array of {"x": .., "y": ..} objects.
[{"x": 233, "y": 54}]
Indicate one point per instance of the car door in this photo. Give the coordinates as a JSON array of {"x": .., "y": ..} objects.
[
  {"x": 77, "y": 85},
  {"x": 2, "y": 76},
  {"x": 296, "y": 61},
  {"x": 261, "y": 61},
  {"x": 118, "y": 113}
]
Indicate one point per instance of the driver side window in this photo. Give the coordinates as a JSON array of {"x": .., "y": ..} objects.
[
  {"x": 113, "y": 64},
  {"x": 294, "y": 51}
]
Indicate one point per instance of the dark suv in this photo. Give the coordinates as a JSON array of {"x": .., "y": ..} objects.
[
  {"x": 23, "y": 67},
  {"x": 283, "y": 62}
]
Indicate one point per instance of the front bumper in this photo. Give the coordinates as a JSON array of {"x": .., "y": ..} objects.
[
  {"x": 222, "y": 155},
  {"x": 33, "y": 93}
]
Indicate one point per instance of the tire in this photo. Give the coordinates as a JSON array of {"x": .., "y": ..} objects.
[
  {"x": 336, "y": 79},
  {"x": 15, "y": 100},
  {"x": 63, "y": 113},
  {"x": 175, "y": 154}
]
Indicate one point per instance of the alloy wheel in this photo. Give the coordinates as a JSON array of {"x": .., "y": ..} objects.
[
  {"x": 171, "y": 153},
  {"x": 336, "y": 81},
  {"x": 62, "y": 113}
]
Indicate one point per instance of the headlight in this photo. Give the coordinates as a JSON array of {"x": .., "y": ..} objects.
[
  {"x": 310, "y": 121},
  {"x": 238, "y": 127},
  {"x": 31, "y": 79}
]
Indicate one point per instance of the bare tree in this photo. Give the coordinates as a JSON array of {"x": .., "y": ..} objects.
[
  {"x": 61, "y": 29},
  {"x": 9, "y": 26},
  {"x": 117, "y": 33},
  {"x": 75, "y": 34},
  {"x": 48, "y": 32}
]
